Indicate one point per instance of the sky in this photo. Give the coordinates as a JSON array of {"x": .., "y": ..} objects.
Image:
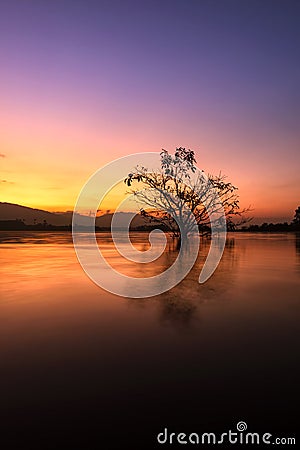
[{"x": 84, "y": 82}]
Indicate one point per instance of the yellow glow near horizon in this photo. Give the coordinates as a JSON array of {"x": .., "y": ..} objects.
[{"x": 48, "y": 160}]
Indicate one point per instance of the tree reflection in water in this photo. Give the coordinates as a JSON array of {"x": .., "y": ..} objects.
[{"x": 180, "y": 306}]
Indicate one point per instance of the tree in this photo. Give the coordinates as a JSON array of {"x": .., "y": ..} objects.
[
  {"x": 296, "y": 220},
  {"x": 297, "y": 216},
  {"x": 178, "y": 194}
]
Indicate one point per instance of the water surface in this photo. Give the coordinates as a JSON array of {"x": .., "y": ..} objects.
[{"x": 79, "y": 364}]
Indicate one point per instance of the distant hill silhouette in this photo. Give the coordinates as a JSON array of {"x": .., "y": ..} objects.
[
  {"x": 19, "y": 217},
  {"x": 11, "y": 212}
]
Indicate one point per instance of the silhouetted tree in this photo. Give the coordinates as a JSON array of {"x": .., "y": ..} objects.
[
  {"x": 296, "y": 220},
  {"x": 297, "y": 215},
  {"x": 170, "y": 201}
]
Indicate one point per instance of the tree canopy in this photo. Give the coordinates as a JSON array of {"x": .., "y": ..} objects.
[{"x": 179, "y": 193}]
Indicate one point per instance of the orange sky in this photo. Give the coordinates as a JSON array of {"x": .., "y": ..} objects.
[
  {"x": 80, "y": 88},
  {"x": 50, "y": 157}
]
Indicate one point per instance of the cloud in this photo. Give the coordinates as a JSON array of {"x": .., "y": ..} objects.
[
  {"x": 56, "y": 188},
  {"x": 8, "y": 182},
  {"x": 2, "y": 155}
]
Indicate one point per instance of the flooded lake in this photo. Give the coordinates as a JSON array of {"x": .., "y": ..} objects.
[{"x": 80, "y": 365}]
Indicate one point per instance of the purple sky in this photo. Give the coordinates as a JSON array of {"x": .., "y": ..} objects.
[{"x": 83, "y": 82}]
